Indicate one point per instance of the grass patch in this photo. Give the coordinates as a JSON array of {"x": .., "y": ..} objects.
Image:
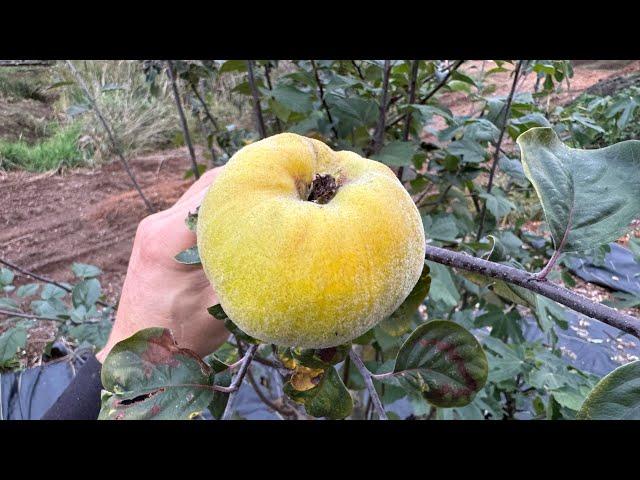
[{"x": 59, "y": 150}]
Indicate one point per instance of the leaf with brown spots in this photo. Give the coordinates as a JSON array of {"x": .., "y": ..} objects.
[
  {"x": 320, "y": 357},
  {"x": 305, "y": 378},
  {"x": 442, "y": 361},
  {"x": 329, "y": 398},
  {"x": 147, "y": 376}
]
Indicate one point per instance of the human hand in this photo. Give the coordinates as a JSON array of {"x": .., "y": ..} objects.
[{"x": 158, "y": 291}]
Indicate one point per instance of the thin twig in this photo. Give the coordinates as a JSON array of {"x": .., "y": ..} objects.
[
  {"x": 283, "y": 410},
  {"x": 366, "y": 375},
  {"x": 357, "y": 67},
  {"x": 435, "y": 90},
  {"x": 527, "y": 280},
  {"x": 183, "y": 119},
  {"x": 205, "y": 107},
  {"x": 237, "y": 381},
  {"x": 442, "y": 83},
  {"x": 10, "y": 313},
  {"x": 412, "y": 98},
  {"x": 378, "y": 136},
  {"x": 46, "y": 280},
  {"x": 324, "y": 102},
  {"x": 496, "y": 154},
  {"x": 114, "y": 144},
  {"x": 440, "y": 198},
  {"x": 256, "y": 101},
  {"x": 267, "y": 76}
]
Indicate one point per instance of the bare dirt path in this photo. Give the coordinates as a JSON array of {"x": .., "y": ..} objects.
[{"x": 48, "y": 221}]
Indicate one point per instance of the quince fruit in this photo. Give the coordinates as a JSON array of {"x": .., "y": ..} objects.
[{"x": 308, "y": 247}]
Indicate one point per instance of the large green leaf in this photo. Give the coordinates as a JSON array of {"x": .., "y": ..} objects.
[
  {"x": 396, "y": 153},
  {"x": 147, "y": 376},
  {"x": 11, "y": 342},
  {"x": 83, "y": 270},
  {"x": 442, "y": 286},
  {"x": 329, "y": 398},
  {"x": 589, "y": 196},
  {"x": 444, "y": 362},
  {"x": 615, "y": 397},
  {"x": 86, "y": 293},
  {"x": 292, "y": 98},
  {"x": 400, "y": 321}
]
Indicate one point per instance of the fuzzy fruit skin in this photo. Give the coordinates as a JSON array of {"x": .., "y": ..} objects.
[{"x": 296, "y": 273}]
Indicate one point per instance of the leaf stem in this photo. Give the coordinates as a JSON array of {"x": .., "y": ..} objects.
[
  {"x": 542, "y": 274},
  {"x": 367, "y": 375}
]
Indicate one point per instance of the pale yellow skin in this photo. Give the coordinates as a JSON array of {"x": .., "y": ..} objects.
[{"x": 296, "y": 273}]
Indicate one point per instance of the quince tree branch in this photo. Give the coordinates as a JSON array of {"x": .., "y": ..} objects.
[
  {"x": 115, "y": 144},
  {"x": 183, "y": 120},
  {"x": 531, "y": 282},
  {"x": 367, "y": 376},
  {"x": 496, "y": 155}
]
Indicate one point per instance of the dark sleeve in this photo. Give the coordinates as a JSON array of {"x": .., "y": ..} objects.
[{"x": 81, "y": 399}]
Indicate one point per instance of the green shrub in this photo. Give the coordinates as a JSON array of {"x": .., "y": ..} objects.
[{"x": 59, "y": 150}]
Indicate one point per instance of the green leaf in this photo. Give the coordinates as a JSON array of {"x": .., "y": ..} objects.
[
  {"x": 192, "y": 220},
  {"x": 503, "y": 325},
  {"x": 82, "y": 270},
  {"x": 190, "y": 256},
  {"x": 148, "y": 376},
  {"x": 615, "y": 397},
  {"x": 201, "y": 167},
  {"x": 320, "y": 357},
  {"x": 233, "y": 66},
  {"x": 27, "y": 290},
  {"x": 444, "y": 362},
  {"x": 218, "y": 313},
  {"x": 52, "y": 291},
  {"x": 11, "y": 342},
  {"x": 92, "y": 333},
  {"x": 10, "y": 303},
  {"x": 441, "y": 227},
  {"x": 396, "y": 153},
  {"x": 218, "y": 404},
  {"x": 497, "y": 204},
  {"x": 293, "y": 98},
  {"x": 86, "y": 293},
  {"x": 6, "y": 277},
  {"x": 329, "y": 399},
  {"x": 442, "y": 287},
  {"x": 469, "y": 150},
  {"x": 400, "y": 320},
  {"x": 589, "y": 196}
]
